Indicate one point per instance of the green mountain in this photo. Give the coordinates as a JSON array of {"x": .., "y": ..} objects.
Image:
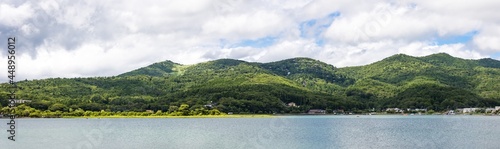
[
  {"x": 437, "y": 81},
  {"x": 399, "y": 78},
  {"x": 160, "y": 69}
]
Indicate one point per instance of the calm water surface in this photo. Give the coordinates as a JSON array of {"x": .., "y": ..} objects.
[{"x": 286, "y": 132}]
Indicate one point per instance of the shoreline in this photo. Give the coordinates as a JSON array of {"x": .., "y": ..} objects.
[
  {"x": 196, "y": 116},
  {"x": 248, "y": 116}
]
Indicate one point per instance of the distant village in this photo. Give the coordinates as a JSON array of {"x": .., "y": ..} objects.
[{"x": 463, "y": 111}]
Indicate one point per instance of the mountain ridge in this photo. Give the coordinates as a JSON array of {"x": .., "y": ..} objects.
[
  {"x": 437, "y": 82},
  {"x": 485, "y": 62}
]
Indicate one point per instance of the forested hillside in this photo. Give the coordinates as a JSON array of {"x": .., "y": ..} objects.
[{"x": 437, "y": 82}]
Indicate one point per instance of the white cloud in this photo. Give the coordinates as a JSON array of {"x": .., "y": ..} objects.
[
  {"x": 398, "y": 22},
  {"x": 423, "y": 49},
  {"x": 103, "y": 38},
  {"x": 246, "y": 26},
  {"x": 15, "y": 16},
  {"x": 488, "y": 39}
]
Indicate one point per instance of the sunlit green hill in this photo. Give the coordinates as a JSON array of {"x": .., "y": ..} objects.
[{"x": 437, "y": 81}]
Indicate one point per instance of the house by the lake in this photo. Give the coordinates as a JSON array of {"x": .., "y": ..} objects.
[
  {"x": 316, "y": 111},
  {"x": 489, "y": 110},
  {"x": 470, "y": 110},
  {"x": 210, "y": 105},
  {"x": 397, "y": 110},
  {"x": 18, "y": 101}
]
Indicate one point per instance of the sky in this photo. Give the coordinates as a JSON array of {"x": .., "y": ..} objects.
[{"x": 56, "y": 38}]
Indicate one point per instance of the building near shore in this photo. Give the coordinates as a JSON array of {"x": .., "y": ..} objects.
[
  {"x": 292, "y": 104},
  {"x": 18, "y": 101},
  {"x": 316, "y": 111},
  {"x": 470, "y": 110},
  {"x": 396, "y": 110},
  {"x": 489, "y": 110}
]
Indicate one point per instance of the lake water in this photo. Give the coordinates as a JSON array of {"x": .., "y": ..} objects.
[{"x": 286, "y": 132}]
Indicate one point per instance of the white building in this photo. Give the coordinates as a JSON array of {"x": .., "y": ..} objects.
[
  {"x": 470, "y": 110},
  {"x": 18, "y": 101},
  {"x": 490, "y": 110},
  {"x": 421, "y": 110},
  {"x": 394, "y": 110},
  {"x": 292, "y": 104}
]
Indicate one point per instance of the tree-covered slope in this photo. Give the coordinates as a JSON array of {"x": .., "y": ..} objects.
[
  {"x": 234, "y": 85},
  {"x": 166, "y": 68},
  {"x": 437, "y": 81},
  {"x": 396, "y": 77},
  {"x": 306, "y": 67}
]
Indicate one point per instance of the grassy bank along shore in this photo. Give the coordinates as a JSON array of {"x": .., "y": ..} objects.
[{"x": 193, "y": 116}]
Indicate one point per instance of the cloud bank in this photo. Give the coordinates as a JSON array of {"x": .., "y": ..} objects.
[{"x": 58, "y": 38}]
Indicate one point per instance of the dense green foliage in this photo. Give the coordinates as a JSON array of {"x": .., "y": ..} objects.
[
  {"x": 165, "y": 68},
  {"x": 183, "y": 110},
  {"x": 437, "y": 82}
]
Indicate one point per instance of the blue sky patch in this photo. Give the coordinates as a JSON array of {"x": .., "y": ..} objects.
[
  {"x": 320, "y": 42},
  {"x": 257, "y": 43},
  {"x": 310, "y": 29},
  {"x": 315, "y": 27},
  {"x": 456, "y": 39},
  {"x": 496, "y": 55}
]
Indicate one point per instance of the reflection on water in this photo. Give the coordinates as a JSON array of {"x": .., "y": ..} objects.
[{"x": 282, "y": 132}]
